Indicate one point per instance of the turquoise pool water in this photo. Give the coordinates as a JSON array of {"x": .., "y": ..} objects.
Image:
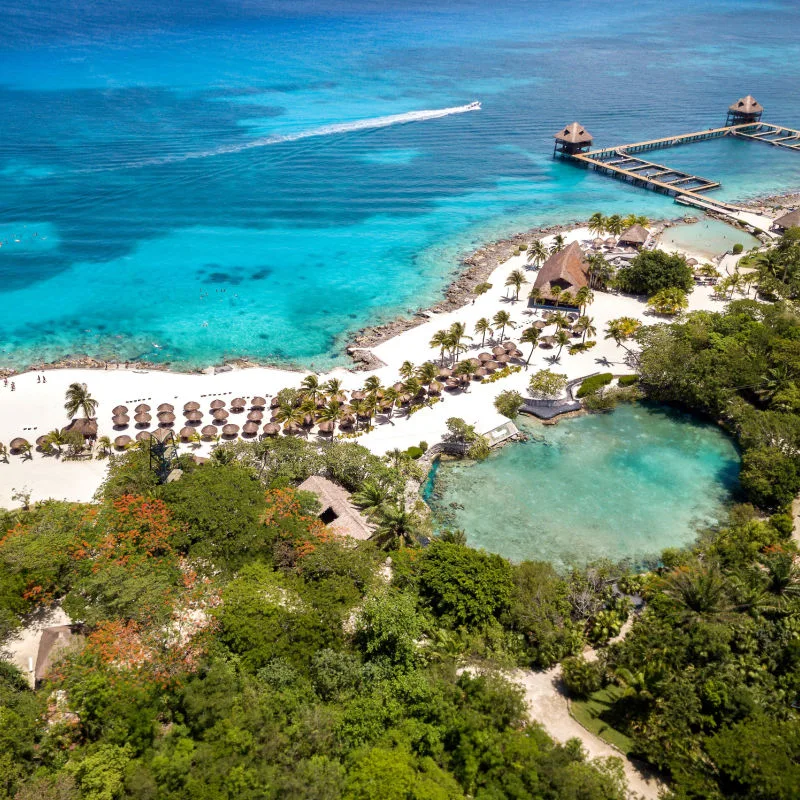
[
  {"x": 621, "y": 485},
  {"x": 709, "y": 237}
]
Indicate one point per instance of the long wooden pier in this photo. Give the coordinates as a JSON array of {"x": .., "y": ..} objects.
[{"x": 621, "y": 162}]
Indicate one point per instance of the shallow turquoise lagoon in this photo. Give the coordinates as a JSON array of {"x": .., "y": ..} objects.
[
  {"x": 621, "y": 485},
  {"x": 709, "y": 237}
]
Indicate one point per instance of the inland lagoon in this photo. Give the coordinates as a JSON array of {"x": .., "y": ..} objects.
[
  {"x": 626, "y": 484},
  {"x": 708, "y": 237}
]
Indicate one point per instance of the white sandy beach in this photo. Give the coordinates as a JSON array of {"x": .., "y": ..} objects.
[{"x": 34, "y": 409}]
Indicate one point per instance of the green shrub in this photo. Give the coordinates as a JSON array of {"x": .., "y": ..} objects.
[
  {"x": 600, "y": 401},
  {"x": 593, "y": 383},
  {"x": 737, "y": 248},
  {"x": 423, "y": 445},
  {"x": 581, "y": 677},
  {"x": 628, "y": 380},
  {"x": 414, "y": 452},
  {"x": 508, "y": 403},
  {"x": 523, "y": 247},
  {"x": 479, "y": 449}
]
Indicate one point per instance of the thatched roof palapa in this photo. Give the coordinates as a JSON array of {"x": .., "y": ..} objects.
[
  {"x": 121, "y": 442},
  {"x": 142, "y": 408},
  {"x": 118, "y": 410},
  {"x": 186, "y": 434},
  {"x": 790, "y": 220},
  {"x": 166, "y": 407},
  {"x": 338, "y": 512},
  {"x": 567, "y": 270},
  {"x": 746, "y": 105},
  {"x": 271, "y": 429},
  {"x": 574, "y": 133},
  {"x": 636, "y": 235},
  {"x": 258, "y": 402},
  {"x": 192, "y": 405},
  {"x": 86, "y": 427},
  {"x": 215, "y": 404},
  {"x": 208, "y": 431}
]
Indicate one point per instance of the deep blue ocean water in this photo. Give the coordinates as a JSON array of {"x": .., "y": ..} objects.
[{"x": 187, "y": 182}]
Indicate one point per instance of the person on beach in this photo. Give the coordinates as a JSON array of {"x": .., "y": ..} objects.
[
  {"x": 44, "y": 378},
  {"x": 13, "y": 386}
]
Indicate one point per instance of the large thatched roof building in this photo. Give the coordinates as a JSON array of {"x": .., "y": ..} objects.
[
  {"x": 635, "y": 236},
  {"x": 338, "y": 512},
  {"x": 790, "y": 220},
  {"x": 572, "y": 138},
  {"x": 744, "y": 110},
  {"x": 568, "y": 270}
]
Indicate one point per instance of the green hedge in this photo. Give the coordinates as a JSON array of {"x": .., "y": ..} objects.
[
  {"x": 628, "y": 380},
  {"x": 593, "y": 383},
  {"x": 414, "y": 452}
]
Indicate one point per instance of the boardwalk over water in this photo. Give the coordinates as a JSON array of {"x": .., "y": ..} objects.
[{"x": 622, "y": 162}]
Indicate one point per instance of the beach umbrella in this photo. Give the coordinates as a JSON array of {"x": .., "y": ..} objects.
[
  {"x": 250, "y": 428},
  {"x": 483, "y": 357},
  {"x": 692, "y": 262},
  {"x": 611, "y": 241},
  {"x": 209, "y": 431},
  {"x": 498, "y": 351},
  {"x": 161, "y": 433},
  {"x": 492, "y": 366},
  {"x": 326, "y": 426},
  {"x": 435, "y": 388},
  {"x": 255, "y": 415},
  {"x": 120, "y": 420},
  {"x": 547, "y": 341},
  {"x": 166, "y": 407},
  {"x": 18, "y": 444},
  {"x": 142, "y": 408},
  {"x": 186, "y": 434},
  {"x": 504, "y": 359},
  {"x": 272, "y": 429},
  {"x": 398, "y": 387},
  {"x": 540, "y": 324},
  {"x": 475, "y": 362},
  {"x": 142, "y": 436},
  {"x": 121, "y": 442},
  {"x": 274, "y": 403},
  {"x": 192, "y": 405},
  {"x": 444, "y": 372},
  {"x": 142, "y": 418},
  {"x": 215, "y": 404},
  {"x": 40, "y": 442},
  {"x": 548, "y": 315},
  {"x": 452, "y": 383},
  {"x": 258, "y": 402},
  {"x": 194, "y": 416},
  {"x": 598, "y": 242},
  {"x": 481, "y": 372},
  {"x": 220, "y": 414},
  {"x": 340, "y": 398},
  {"x": 517, "y": 354},
  {"x": 308, "y": 421},
  {"x": 509, "y": 345},
  {"x": 292, "y": 429},
  {"x": 358, "y": 395},
  {"x": 119, "y": 410},
  {"x": 166, "y": 418},
  {"x": 238, "y": 403},
  {"x": 347, "y": 421},
  {"x": 230, "y": 429}
]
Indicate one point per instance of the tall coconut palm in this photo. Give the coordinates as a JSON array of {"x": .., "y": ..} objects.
[
  {"x": 537, "y": 253},
  {"x": 427, "y": 373},
  {"x": 372, "y": 386},
  {"x": 516, "y": 278},
  {"x": 567, "y": 298},
  {"x": 397, "y": 528},
  {"x": 289, "y": 414},
  {"x": 371, "y": 497},
  {"x": 698, "y": 589},
  {"x": 779, "y": 584},
  {"x": 440, "y": 340},
  {"x": 104, "y": 446},
  {"x": 562, "y": 339},
  {"x": 466, "y": 370},
  {"x": 412, "y": 386},
  {"x": 615, "y": 225},
  {"x": 483, "y": 326},
  {"x": 600, "y": 271},
  {"x": 502, "y": 320},
  {"x": 586, "y": 326},
  {"x": 560, "y": 320},
  {"x": 584, "y": 297},
  {"x": 458, "y": 332},
  {"x": 3, "y": 453},
  {"x": 56, "y": 440},
  {"x": 332, "y": 387},
  {"x": 311, "y": 389},
  {"x": 535, "y": 294},
  {"x": 555, "y": 294},
  {"x": 331, "y": 412},
  {"x": 597, "y": 224},
  {"x": 530, "y": 336},
  {"x": 79, "y": 399},
  {"x": 407, "y": 370},
  {"x": 558, "y": 243},
  {"x": 391, "y": 396},
  {"x": 622, "y": 329}
]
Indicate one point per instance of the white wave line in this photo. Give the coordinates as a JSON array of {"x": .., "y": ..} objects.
[{"x": 323, "y": 130}]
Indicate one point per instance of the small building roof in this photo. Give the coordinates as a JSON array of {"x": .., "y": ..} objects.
[
  {"x": 574, "y": 133},
  {"x": 790, "y": 220},
  {"x": 568, "y": 268},
  {"x": 86, "y": 427},
  {"x": 52, "y": 642},
  {"x": 747, "y": 105},
  {"x": 636, "y": 234},
  {"x": 338, "y": 512}
]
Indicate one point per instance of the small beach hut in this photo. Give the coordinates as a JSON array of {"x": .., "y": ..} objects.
[
  {"x": 119, "y": 410},
  {"x": 230, "y": 429},
  {"x": 216, "y": 404},
  {"x": 255, "y": 415},
  {"x": 120, "y": 420},
  {"x": 166, "y": 407},
  {"x": 571, "y": 139},
  {"x": 121, "y": 442},
  {"x": 238, "y": 404},
  {"x": 161, "y": 434},
  {"x": 271, "y": 429},
  {"x": 208, "y": 432},
  {"x": 142, "y": 408},
  {"x": 220, "y": 414},
  {"x": 166, "y": 418},
  {"x": 786, "y": 221},
  {"x": 745, "y": 110},
  {"x": 258, "y": 402},
  {"x": 192, "y": 405},
  {"x": 566, "y": 270},
  {"x": 250, "y": 428},
  {"x": 194, "y": 416},
  {"x": 635, "y": 236},
  {"x": 85, "y": 427},
  {"x": 186, "y": 434}
]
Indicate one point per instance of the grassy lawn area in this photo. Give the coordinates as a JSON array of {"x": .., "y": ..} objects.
[{"x": 594, "y": 713}]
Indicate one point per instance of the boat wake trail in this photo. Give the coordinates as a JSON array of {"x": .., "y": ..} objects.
[{"x": 323, "y": 130}]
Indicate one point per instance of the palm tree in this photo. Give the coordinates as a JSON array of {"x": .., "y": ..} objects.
[
  {"x": 371, "y": 497},
  {"x": 562, "y": 339},
  {"x": 697, "y": 588},
  {"x": 516, "y": 279},
  {"x": 391, "y": 396},
  {"x": 333, "y": 387},
  {"x": 584, "y": 297},
  {"x": 535, "y": 294},
  {"x": 777, "y": 379},
  {"x": 780, "y": 584},
  {"x": 311, "y": 389},
  {"x": 56, "y": 439},
  {"x": 502, "y": 320},
  {"x": 483, "y": 326},
  {"x": 407, "y": 370},
  {"x": 427, "y": 373},
  {"x": 586, "y": 327},
  {"x": 597, "y": 224},
  {"x": 530, "y": 336},
  {"x": 289, "y": 414},
  {"x": 441, "y": 340},
  {"x": 79, "y": 399},
  {"x": 567, "y": 298},
  {"x": 615, "y": 225},
  {"x": 396, "y": 528},
  {"x": 457, "y": 333},
  {"x": 3, "y": 453},
  {"x": 372, "y": 386},
  {"x": 465, "y": 369},
  {"x": 622, "y": 329},
  {"x": 412, "y": 386},
  {"x": 599, "y": 270},
  {"x": 25, "y": 451},
  {"x": 558, "y": 243},
  {"x": 537, "y": 253},
  {"x": 331, "y": 412},
  {"x": 555, "y": 294},
  {"x": 559, "y": 320},
  {"x": 104, "y": 445}
]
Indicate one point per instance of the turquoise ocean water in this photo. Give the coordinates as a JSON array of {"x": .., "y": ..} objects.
[
  {"x": 188, "y": 182},
  {"x": 621, "y": 485}
]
